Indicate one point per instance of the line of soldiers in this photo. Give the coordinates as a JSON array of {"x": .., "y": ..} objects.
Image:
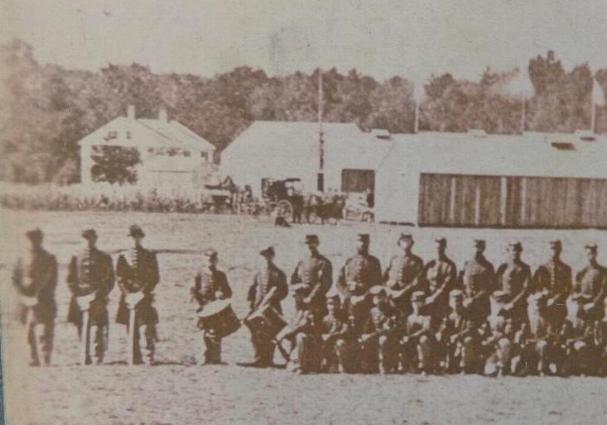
[{"x": 410, "y": 317}]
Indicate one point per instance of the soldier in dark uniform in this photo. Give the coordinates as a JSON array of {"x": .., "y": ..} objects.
[
  {"x": 269, "y": 288},
  {"x": 35, "y": 279},
  {"x": 210, "y": 284},
  {"x": 590, "y": 284},
  {"x": 478, "y": 281},
  {"x": 90, "y": 272},
  {"x": 304, "y": 334},
  {"x": 380, "y": 348},
  {"x": 420, "y": 350},
  {"x": 336, "y": 338},
  {"x": 404, "y": 275},
  {"x": 459, "y": 338},
  {"x": 361, "y": 272},
  {"x": 440, "y": 275},
  {"x": 137, "y": 271},
  {"x": 514, "y": 278},
  {"x": 316, "y": 273},
  {"x": 555, "y": 279}
]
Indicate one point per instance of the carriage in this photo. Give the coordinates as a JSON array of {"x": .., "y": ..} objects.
[{"x": 283, "y": 198}]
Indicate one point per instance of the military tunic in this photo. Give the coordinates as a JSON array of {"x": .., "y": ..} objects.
[
  {"x": 404, "y": 271},
  {"x": 591, "y": 281},
  {"x": 514, "y": 278},
  {"x": 316, "y": 272},
  {"x": 556, "y": 278},
  {"x": 137, "y": 271},
  {"x": 478, "y": 280},
  {"x": 89, "y": 272}
]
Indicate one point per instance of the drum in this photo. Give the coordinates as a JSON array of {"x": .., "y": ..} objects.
[
  {"x": 265, "y": 320},
  {"x": 219, "y": 316}
]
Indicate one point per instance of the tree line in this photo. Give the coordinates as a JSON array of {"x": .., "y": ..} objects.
[{"x": 46, "y": 109}]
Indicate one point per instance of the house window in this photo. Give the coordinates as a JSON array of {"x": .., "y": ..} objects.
[
  {"x": 353, "y": 180},
  {"x": 204, "y": 155},
  {"x": 186, "y": 153},
  {"x": 112, "y": 134}
]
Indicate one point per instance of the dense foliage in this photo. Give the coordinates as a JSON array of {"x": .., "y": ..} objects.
[{"x": 46, "y": 109}]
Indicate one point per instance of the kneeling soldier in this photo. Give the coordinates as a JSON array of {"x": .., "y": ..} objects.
[
  {"x": 137, "y": 272},
  {"x": 210, "y": 285},
  {"x": 380, "y": 339},
  {"x": 269, "y": 289},
  {"x": 91, "y": 274},
  {"x": 336, "y": 338},
  {"x": 419, "y": 343},
  {"x": 303, "y": 335}
]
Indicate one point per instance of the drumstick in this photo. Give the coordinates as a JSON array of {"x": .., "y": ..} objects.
[
  {"x": 132, "y": 325},
  {"x": 84, "y": 349}
]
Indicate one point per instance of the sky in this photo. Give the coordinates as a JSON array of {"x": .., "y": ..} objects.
[{"x": 415, "y": 38}]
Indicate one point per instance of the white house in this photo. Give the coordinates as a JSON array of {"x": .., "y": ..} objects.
[
  {"x": 280, "y": 150},
  {"x": 475, "y": 179},
  {"x": 171, "y": 154}
]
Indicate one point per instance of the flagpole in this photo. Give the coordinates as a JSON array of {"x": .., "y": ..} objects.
[{"x": 321, "y": 142}]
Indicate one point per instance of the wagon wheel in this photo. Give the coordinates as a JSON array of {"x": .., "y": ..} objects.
[{"x": 285, "y": 209}]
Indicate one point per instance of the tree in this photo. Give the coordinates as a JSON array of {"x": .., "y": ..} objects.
[{"x": 115, "y": 164}]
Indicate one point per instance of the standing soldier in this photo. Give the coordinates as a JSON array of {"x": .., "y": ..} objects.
[
  {"x": 361, "y": 272},
  {"x": 555, "y": 279},
  {"x": 91, "y": 272},
  {"x": 269, "y": 288},
  {"x": 35, "y": 279},
  {"x": 404, "y": 274},
  {"x": 440, "y": 275},
  {"x": 316, "y": 273},
  {"x": 590, "y": 283},
  {"x": 478, "y": 281},
  {"x": 137, "y": 272},
  {"x": 514, "y": 278},
  {"x": 210, "y": 285}
]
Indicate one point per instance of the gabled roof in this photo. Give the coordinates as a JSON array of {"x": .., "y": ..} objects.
[
  {"x": 528, "y": 154},
  {"x": 301, "y": 139},
  {"x": 147, "y": 133}
]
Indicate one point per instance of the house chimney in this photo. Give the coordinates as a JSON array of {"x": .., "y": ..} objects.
[
  {"x": 130, "y": 112},
  {"x": 162, "y": 115}
]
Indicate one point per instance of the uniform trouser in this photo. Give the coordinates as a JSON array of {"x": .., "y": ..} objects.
[
  {"x": 424, "y": 350},
  {"x": 305, "y": 356},
  {"x": 578, "y": 359},
  {"x": 500, "y": 356},
  {"x": 40, "y": 337},
  {"x": 263, "y": 348},
  {"x": 537, "y": 356},
  {"x": 212, "y": 343},
  {"x": 99, "y": 333},
  {"x": 462, "y": 355},
  {"x": 380, "y": 354},
  {"x": 336, "y": 356},
  {"x": 149, "y": 333}
]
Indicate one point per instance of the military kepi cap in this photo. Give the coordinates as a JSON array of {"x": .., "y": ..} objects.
[
  {"x": 267, "y": 252},
  {"x": 405, "y": 237},
  {"x": 479, "y": 243},
  {"x": 135, "y": 231},
  {"x": 34, "y": 234},
  {"x": 333, "y": 299},
  {"x": 456, "y": 294},
  {"x": 210, "y": 252},
  {"x": 441, "y": 240},
  {"x": 363, "y": 237},
  {"x": 89, "y": 234},
  {"x": 311, "y": 239},
  {"x": 591, "y": 245},
  {"x": 555, "y": 243},
  {"x": 516, "y": 245}
]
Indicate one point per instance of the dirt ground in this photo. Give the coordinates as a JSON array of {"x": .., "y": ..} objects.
[{"x": 179, "y": 391}]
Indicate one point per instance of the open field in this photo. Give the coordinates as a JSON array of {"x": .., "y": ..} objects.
[{"x": 177, "y": 391}]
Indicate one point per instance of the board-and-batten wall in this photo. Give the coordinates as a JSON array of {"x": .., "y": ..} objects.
[{"x": 499, "y": 201}]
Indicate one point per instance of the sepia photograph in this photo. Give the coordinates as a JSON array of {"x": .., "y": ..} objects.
[{"x": 323, "y": 212}]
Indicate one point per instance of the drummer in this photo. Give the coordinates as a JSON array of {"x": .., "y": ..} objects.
[
  {"x": 269, "y": 288},
  {"x": 210, "y": 285}
]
